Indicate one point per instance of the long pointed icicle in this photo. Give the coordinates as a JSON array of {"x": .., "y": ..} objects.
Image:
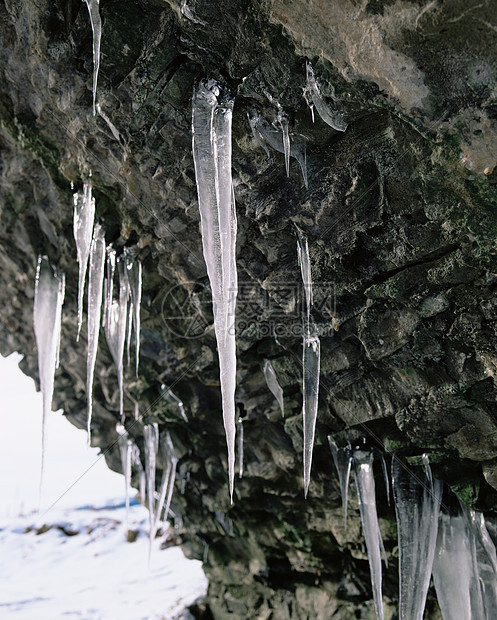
[
  {"x": 134, "y": 269},
  {"x": 84, "y": 216},
  {"x": 273, "y": 385},
  {"x": 96, "y": 26},
  {"x": 151, "y": 436},
  {"x": 169, "y": 461},
  {"x": 211, "y": 125},
  {"x": 487, "y": 563},
  {"x": 240, "y": 447},
  {"x": 311, "y": 364},
  {"x": 125, "y": 448},
  {"x": 49, "y": 297},
  {"x": 342, "y": 457},
  {"x": 95, "y": 291},
  {"x": 305, "y": 268},
  {"x": 417, "y": 504},
  {"x": 363, "y": 469}
]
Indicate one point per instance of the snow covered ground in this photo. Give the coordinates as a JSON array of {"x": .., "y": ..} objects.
[{"x": 71, "y": 558}]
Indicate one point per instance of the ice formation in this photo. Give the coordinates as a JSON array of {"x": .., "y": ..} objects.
[
  {"x": 314, "y": 98},
  {"x": 273, "y": 385},
  {"x": 363, "y": 469},
  {"x": 95, "y": 291},
  {"x": 134, "y": 276},
  {"x": 96, "y": 26},
  {"x": 487, "y": 562},
  {"x": 278, "y": 137},
  {"x": 151, "y": 437},
  {"x": 342, "y": 457},
  {"x": 169, "y": 396},
  {"x": 240, "y": 447},
  {"x": 169, "y": 461},
  {"x": 417, "y": 503},
  {"x": 116, "y": 314},
  {"x": 211, "y": 125},
  {"x": 126, "y": 450},
  {"x": 311, "y": 365},
  {"x": 84, "y": 216},
  {"x": 49, "y": 297},
  {"x": 305, "y": 268},
  {"x": 188, "y": 13}
]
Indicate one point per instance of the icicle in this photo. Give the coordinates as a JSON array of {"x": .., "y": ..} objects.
[
  {"x": 487, "y": 562},
  {"x": 115, "y": 330},
  {"x": 240, "y": 447},
  {"x": 151, "y": 436},
  {"x": 363, "y": 469},
  {"x": 211, "y": 124},
  {"x": 96, "y": 26},
  {"x": 125, "y": 448},
  {"x": 342, "y": 458},
  {"x": 134, "y": 271},
  {"x": 455, "y": 570},
  {"x": 188, "y": 13},
  {"x": 283, "y": 122},
  {"x": 95, "y": 285},
  {"x": 109, "y": 285},
  {"x": 311, "y": 365},
  {"x": 273, "y": 385},
  {"x": 417, "y": 505},
  {"x": 169, "y": 461},
  {"x": 305, "y": 268},
  {"x": 47, "y": 315},
  {"x": 84, "y": 216},
  {"x": 312, "y": 91},
  {"x": 110, "y": 124},
  {"x": 169, "y": 396},
  {"x": 279, "y": 140},
  {"x": 142, "y": 489}
]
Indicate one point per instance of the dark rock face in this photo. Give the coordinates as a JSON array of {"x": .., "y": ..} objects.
[{"x": 401, "y": 218}]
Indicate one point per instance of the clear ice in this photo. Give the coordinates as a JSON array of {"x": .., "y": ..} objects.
[
  {"x": 188, "y": 13},
  {"x": 211, "y": 125},
  {"x": 363, "y": 470},
  {"x": 311, "y": 364},
  {"x": 84, "y": 216},
  {"x": 95, "y": 291},
  {"x": 342, "y": 457},
  {"x": 314, "y": 98},
  {"x": 240, "y": 447},
  {"x": 273, "y": 385},
  {"x": 169, "y": 462},
  {"x": 47, "y": 315},
  {"x": 169, "y": 396},
  {"x": 278, "y": 138},
  {"x": 151, "y": 437},
  {"x": 455, "y": 569},
  {"x": 96, "y": 26},
  {"x": 417, "y": 505},
  {"x": 305, "y": 268},
  {"x": 134, "y": 275},
  {"x": 126, "y": 450}
]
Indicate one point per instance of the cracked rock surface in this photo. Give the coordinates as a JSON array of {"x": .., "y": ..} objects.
[{"x": 400, "y": 213}]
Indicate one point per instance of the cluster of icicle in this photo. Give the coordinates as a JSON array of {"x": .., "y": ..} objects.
[{"x": 453, "y": 543}]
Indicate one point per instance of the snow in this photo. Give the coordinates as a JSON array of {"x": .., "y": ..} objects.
[{"x": 94, "y": 574}]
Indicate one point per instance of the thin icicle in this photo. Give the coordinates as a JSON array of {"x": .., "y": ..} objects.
[
  {"x": 487, "y": 562},
  {"x": 312, "y": 93},
  {"x": 363, "y": 469},
  {"x": 283, "y": 122},
  {"x": 417, "y": 505},
  {"x": 115, "y": 327},
  {"x": 311, "y": 365},
  {"x": 188, "y": 13},
  {"x": 95, "y": 286},
  {"x": 278, "y": 139},
  {"x": 151, "y": 436},
  {"x": 273, "y": 385},
  {"x": 169, "y": 396},
  {"x": 84, "y": 216},
  {"x": 125, "y": 448},
  {"x": 305, "y": 268},
  {"x": 134, "y": 271},
  {"x": 211, "y": 125},
  {"x": 342, "y": 457},
  {"x": 96, "y": 26},
  {"x": 47, "y": 315},
  {"x": 455, "y": 570},
  {"x": 109, "y": 285},
  {"x": 240, "y": 447},
  {"x": 169, "y": 462}
]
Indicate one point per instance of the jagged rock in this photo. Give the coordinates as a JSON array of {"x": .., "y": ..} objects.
[{"x": 400, "y": 213}]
